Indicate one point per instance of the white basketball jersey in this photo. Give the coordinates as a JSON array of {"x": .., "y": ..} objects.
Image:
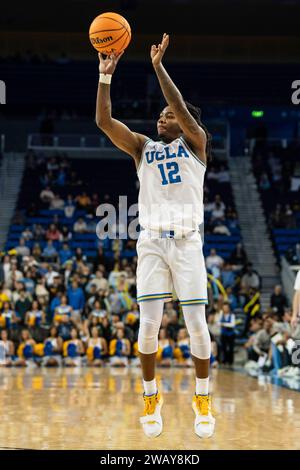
[{"x": 171, "y": 187}]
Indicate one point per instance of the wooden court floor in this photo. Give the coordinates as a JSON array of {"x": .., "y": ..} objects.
[{"x": 100, "y": 409}]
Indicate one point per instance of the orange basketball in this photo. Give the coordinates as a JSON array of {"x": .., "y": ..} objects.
[{"x": 110, "y": 33}]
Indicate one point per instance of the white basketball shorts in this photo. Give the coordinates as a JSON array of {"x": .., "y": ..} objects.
[{"x": 166, "y": 265}]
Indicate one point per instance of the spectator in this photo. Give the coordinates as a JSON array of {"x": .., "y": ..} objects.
[
  {"x": 76, "y": 300},
  {"x": 57, "y": 202},
  {"x": 50, "y": 275},
  {"x": 41, "y": 291},
  {"x": 61, "y": 308},
  {"x": 38, "y": 232},
  {"x": 25, "y": 350},
  {"x": 23, "y": 304},
  {"x": 262, "y": 339},
  {"x": 250, "y": 280},
  {"x": 238, "y": 256},
  {"x": 218, "y": 204},
  {"x": 52, "y": 349},
  {"x": 227, "y": 275},
  {"x": 7, "y": 349},
  {"x": 5, "y": 265},
  {"x": 8, "y": 317},
  {"x": 69, "y": 207},
  {"x": 47, "y": 195},
  {"x": 213, "y": 260},
  {"x": 80, "y": 226},
  {"x": 14, "y": 274},
  {"x": 65, "y": 235},
  {"x": 53, "y": 233},
  {"x": 99, "y": 281},
  {"x": 64, "y": 254},
  {"x": 27, "y": 234},
  {"x": 49, "y": 253},
  {"x": 22, "y": 249},
  {"x": 278, "y": 301},
  {"x": 83, "y": 200},
  {"x": 61, "y": 178},
  {"x": 35, "y": 316},
  {"x": 73, "y": 349},
  {"x": 218, "y": 211},
  {"x": 96, "y": 348},
  {"x": 227, "y": 323},
  {"x": 264, "y": 183},
  {"x": 119, "y": 349}
]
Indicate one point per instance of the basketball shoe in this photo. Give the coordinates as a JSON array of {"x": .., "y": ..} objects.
[
  {"x": 204, "y": 421},
  {"x": 151, "y": 419}
]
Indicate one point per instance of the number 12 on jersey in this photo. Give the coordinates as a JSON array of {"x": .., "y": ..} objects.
[{"x": 169, "y": 173}]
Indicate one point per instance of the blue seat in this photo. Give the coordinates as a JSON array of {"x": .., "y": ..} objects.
[
  {"x": 128, "y": 253},
  {"x": 287, "y": 239},
  {"x": 51, "y": 212},
  {"x": 85, "y": 236},
  {"x": 286, "y": 232},
  {"x": 83, "y": 245},
  {"x": 90, "y": 253},
  {"x": 17, "y": 228},
  {"x": 222, "y": 238},
  {"x": 14, "y": 237}
]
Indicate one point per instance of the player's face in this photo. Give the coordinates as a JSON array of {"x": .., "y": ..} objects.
[{"x": 167, "y": 125}]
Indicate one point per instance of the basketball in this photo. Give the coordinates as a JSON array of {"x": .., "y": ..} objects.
[{"x": 110, "y": 33}]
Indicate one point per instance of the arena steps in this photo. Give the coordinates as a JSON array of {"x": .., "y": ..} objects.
[
  {"x": 253, "y": 224},
  {"x": 11, "y": 173}
]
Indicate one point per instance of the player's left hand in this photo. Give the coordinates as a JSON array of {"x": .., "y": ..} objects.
[{"x": 157, "y": 52}]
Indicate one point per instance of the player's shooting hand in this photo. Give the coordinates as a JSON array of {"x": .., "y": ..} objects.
[
  {"x": 108, "y": 65},
  {"x": 157, "y": 52}
]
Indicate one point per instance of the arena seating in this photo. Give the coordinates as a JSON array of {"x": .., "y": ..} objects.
[
  {"x": 105, "y": 178},
  {"x": 276, "y": 167}
]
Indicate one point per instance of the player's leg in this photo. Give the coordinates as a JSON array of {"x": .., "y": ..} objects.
[
  {"x": 150, "y": 320},
  {"x": 153, "y": 287},
  {"x": 190, "y": 282},
  {"x": 195, "y": 320}
]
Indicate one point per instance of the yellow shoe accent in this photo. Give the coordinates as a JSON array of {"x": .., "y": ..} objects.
[
  {"x": 151, "y": 419},
  {"x": 150, "y": 402},
  {"x": 204, "y": 420}
]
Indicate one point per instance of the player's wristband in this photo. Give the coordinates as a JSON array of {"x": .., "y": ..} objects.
[{"x": 105, "y": 78}]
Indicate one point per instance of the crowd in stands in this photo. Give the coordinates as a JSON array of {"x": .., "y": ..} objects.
[
  {"x": 277, "y": 170},
  {"x": 273, "y": 339},
  {"x": 61, "y": 304},
  {"x": 273, "y": 335}
]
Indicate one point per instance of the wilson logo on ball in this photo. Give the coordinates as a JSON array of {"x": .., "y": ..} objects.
[
  {"x": 101, "y": 41},
  {"x": 107, "y": 30}
]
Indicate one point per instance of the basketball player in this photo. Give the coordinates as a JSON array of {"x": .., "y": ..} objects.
[{"x": 171, "y": 174}]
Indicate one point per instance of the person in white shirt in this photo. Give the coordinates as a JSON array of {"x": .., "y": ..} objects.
[
  {"x": 6, "y": 267},
  {"x": 47, "y": 195},
  {"x": 22, "y": 249},
  {"x": 214, "y": 260},
  {"x": 50, "y": 275},
  {"x": 57, "y": 202},
  {"x": 80, "y": 226}
]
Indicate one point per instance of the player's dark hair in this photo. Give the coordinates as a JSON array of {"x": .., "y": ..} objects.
[{"x": 196, "y": 113}]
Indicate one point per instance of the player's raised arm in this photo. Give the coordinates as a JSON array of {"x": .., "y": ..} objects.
[
  {"x": 190, "y": 128},
  {"x": 126, "y": 140}
]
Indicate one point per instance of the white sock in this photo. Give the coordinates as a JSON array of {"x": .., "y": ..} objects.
[
  {"x": 202, "y": 386},
  {"x": 150, "y": 387}
]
